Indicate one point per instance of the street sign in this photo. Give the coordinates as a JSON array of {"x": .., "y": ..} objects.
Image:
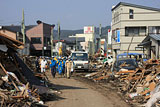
[
  {"x": 118, "y": 36},
  {"x": 88, "y": 29}
]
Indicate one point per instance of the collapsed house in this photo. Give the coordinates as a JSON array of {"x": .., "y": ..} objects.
[{"x": 18, "y": 85}]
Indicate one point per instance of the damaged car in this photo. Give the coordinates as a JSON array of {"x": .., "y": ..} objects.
[{"x": 125, "y": 63}]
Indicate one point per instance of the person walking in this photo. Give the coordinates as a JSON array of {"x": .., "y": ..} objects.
[
  {"x": 60, "y": 66},
  {"x": 64, "y": 62},
  {"x": 43, "y": 65},
  {"x": 53, "y": 67},
  {"x": 37, "y": 65},
  {"x": 69, "y": 67}
]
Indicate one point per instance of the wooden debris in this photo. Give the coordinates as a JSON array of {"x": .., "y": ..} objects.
[
  {"x": 136, "y": 85},
  {"x": 15, "y": 89}
]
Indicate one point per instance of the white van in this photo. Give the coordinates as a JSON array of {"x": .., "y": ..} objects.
[{"x": 80, "y": 60}]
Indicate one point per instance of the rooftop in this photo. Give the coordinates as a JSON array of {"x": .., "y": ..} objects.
[
  {"x": 147, "y": 39},
  {"x": 134, "y": 5},
  {"x": 16, "y": 28}
]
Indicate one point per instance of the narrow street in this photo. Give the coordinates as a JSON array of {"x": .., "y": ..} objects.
[{"x": 78, "y": 94}]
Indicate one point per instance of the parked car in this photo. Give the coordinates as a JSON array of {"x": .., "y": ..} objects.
[{"x": 129, "y": 64}]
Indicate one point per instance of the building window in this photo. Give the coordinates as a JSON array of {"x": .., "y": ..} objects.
[
  {"x": 47, "y": 40},
  {"x": 36, "y": 40},
  {"x": 135, "y": 31},
  {"x": 154, "y": 29},
  {"x": 131, "y": 13}
]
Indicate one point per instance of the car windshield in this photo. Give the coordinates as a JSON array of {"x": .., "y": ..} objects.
[
  {"x": 127, "y": 62},
  {"x": 80, "y": 56}
]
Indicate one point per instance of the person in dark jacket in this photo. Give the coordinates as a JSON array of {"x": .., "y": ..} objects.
[
  {"x": 37, "y": 65},
  {"x": 53, "y": 67}
]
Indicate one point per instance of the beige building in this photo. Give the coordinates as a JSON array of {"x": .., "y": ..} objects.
[
  {"x": 92, "y": 40},
  {"x": 88, "y": 39},
  {"x": 131, "y": 24}
]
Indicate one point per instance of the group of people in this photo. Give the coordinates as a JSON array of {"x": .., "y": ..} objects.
[{"x": 62, "y": 65}]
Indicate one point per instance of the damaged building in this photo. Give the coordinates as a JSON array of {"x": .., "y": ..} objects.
[{"x": 18, "y": 84}]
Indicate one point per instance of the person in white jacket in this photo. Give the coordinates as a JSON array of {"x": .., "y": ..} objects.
[{"x": 43, "y": 65}]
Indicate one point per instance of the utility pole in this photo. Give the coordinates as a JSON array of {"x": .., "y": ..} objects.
[
  {"x": 89, "y": 48},
  {"x": 23, "y": 28},
  {"x": 93, "y": 43},
  {"x": 130, "y": 45},
  {"x": 100, "y": 30},
  {"x": 58, "y": 35},
  {"x": 107, "y": 44},
  {"x": 100, "y": 34},
  {"x": 52, "y": 27},
  {"x": 76, "y": 43}
]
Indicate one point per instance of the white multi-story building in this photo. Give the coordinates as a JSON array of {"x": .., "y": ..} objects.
[{"x": 131, "y": 24}]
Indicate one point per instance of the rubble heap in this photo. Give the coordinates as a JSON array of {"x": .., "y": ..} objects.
[
  {"x": 18, "y": 86},
  {"x": 140, "y": 86}
]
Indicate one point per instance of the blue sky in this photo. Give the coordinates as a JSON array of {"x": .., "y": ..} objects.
[{"x": 72, "y": 14}]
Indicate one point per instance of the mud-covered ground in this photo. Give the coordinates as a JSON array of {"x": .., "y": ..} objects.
[
  {"x": 82, "y": 92},
  {"x": 106, "y": 87}
]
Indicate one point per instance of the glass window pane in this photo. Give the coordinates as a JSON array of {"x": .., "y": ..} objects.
[
  {"x": 36, "y": 40},
  {"x": 131, "y": 13}
]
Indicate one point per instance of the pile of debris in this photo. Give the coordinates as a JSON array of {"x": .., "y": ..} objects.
[
  {"x": 18, "y": 85},
  {"x": 140, "y": 86},
  {"x": 98, "y": 76},
  {"x": 98, "y": 63},
  {"x": 30, "y": 61}
]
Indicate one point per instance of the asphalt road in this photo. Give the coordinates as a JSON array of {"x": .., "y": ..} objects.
[{"x": 79, "y": 94}]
